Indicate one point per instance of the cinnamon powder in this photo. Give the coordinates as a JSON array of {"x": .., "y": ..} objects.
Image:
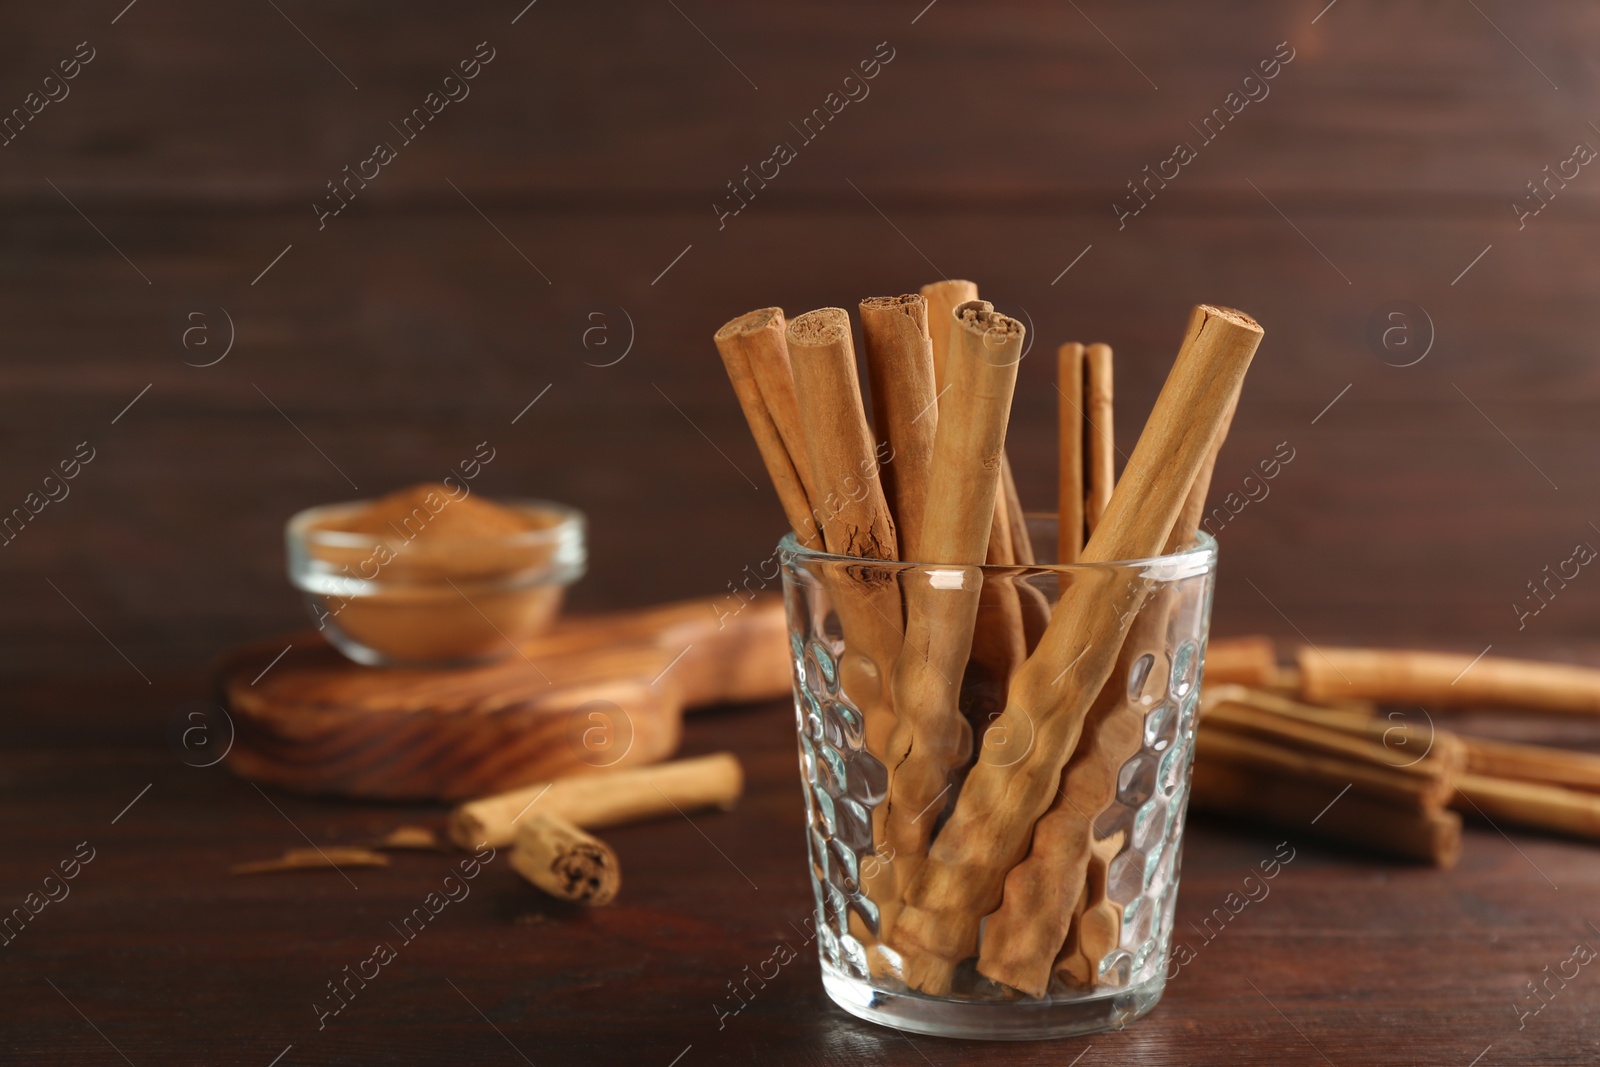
[{"x": 437, "y": 574}]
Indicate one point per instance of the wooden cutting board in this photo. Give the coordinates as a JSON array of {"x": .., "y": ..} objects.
[{"x": 594, "y": 693}]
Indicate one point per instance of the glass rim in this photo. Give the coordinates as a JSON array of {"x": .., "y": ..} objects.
[{"x": 1203, "y": 550}]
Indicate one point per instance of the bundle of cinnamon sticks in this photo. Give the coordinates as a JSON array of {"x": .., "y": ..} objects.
[
  {"x": 963, "y": 843},
  {"x": 1306, "y": 747}
]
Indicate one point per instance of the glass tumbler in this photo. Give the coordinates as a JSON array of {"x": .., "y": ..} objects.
[{"x": 933, "y": 706}]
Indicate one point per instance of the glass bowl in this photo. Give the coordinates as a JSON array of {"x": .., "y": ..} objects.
[{"x": 402, "y": 599}]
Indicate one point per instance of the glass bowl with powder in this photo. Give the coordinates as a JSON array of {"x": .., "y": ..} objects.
[{"x": 434, "y": 575}]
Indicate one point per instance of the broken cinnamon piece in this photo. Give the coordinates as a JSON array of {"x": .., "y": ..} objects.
[
  {"x": 328, "y": 857},
  {"x": 566, "y": 862}
]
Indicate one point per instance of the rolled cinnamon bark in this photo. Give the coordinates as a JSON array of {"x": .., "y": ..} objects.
[
  {"x": 1009, "y": 543},
  {"x": 989, "y": 830},
  {"x": 1070, "y": 494},
  {"x": 1329, "y": 740},
  {"x": 943, "y": 298},
  {"x": 1023, "y": 936},
  {"x": 599, "y": 800},
  {"x": 1097, "y": 924},
  {"x": 1440, "y": 679},
  {"x": 853, "y": 512},
  {"x": 565, "y": 862},
  {"x": 755, "y": 341},
  {"x": 1431, "y": 836},
  {"x": 1022, "y": 939},
  {"x": 1241, "y": 660},
  {"x": 1388, "y": 784},
  {"x": 899, "y": 356},
  {"x": 1541, "y": 807},
  {"x": 1533, "y": 763},
  {"x": 1016, "y": 519},
  {"x": 932, "y": 737},
  {"x": 1098, "y": 416}
]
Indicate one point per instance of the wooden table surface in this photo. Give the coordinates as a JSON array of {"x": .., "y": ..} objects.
[
  {"x": 160, "y": 956},
  {"x": 542, "y": 269}
]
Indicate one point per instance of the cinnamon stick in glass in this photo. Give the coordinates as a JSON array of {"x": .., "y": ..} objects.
[
  {"x": 1009, "y": 543},
  {"x": 1023, "y": 936},
  {"x": 755, "y": 340},
  {"x": 943, "y": 298},
  {"x": 932, "y": 737},
  {"x": 852, "y": 510},
  {"x": 1441, "y": 679},
  {"x": 1096, "y": 927},
  {"x": 988, "y": 832},
  {"x": 899, "y": 357},
  {"x": 1098, "y": 417},
  {"x": 1070, "y": 493},
  {"x": 1022, "y": 554}
]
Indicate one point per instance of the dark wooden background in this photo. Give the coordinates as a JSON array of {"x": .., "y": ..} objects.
[{"x": 574, "y": 189}]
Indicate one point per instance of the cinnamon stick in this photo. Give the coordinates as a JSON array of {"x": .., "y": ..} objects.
[
  {"x": 1542, "y": 807},
  {"x": 1533, "y": 763},
  {"x": 854, "y": 515},
  {"x": 1097, "y": 924},
  {"x": 1016, "y": 519},
  {"x": 1369, "y": 778},
  {"x": 1070, "y": 495},
  {"x": 1009, "y": 543},
  {"x": 756, "y": 340},
  {"x": 932, "y": 738},
  {"x": 943, "y": 298},
  {"x": 600, "y": 800},
  {"x": 328, "y": 857},
  {"x": 1431, "y": 835},
  {"x": 565, "y": 862},
  {"x": 1051, "y": 693},
  {"x": 1022, "y": 937},
  {"x": 1242, "y": 660},
  {"x": 1440, "y": 679},
  {"x": 899, "y": 357},
  {"x": 1098, "y": 417}
]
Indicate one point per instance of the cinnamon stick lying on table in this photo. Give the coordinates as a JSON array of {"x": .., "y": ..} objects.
[
  {"x": 1543, "y": 807},
  {"x": 755, "y": 341},
  {"x": 1098, "y": 417},
  {"x": 989, "y": 830},
  {"x": 899, "y": 356},
  {"x": 1432, "y": 836},
  {"x": 1070, "y": 492},
  {"x": 599, "y": 800},
  {"x": 1440, "y": 679},
  {"x": 565, "y": 862},
  {"x": 1242, "y": 660},
  {"x": 932, "y": 737},
  {"x": 1310, "y": 757},
  {"x": 328, "y": 857},
  {"x": 1533, "y": 763}
]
